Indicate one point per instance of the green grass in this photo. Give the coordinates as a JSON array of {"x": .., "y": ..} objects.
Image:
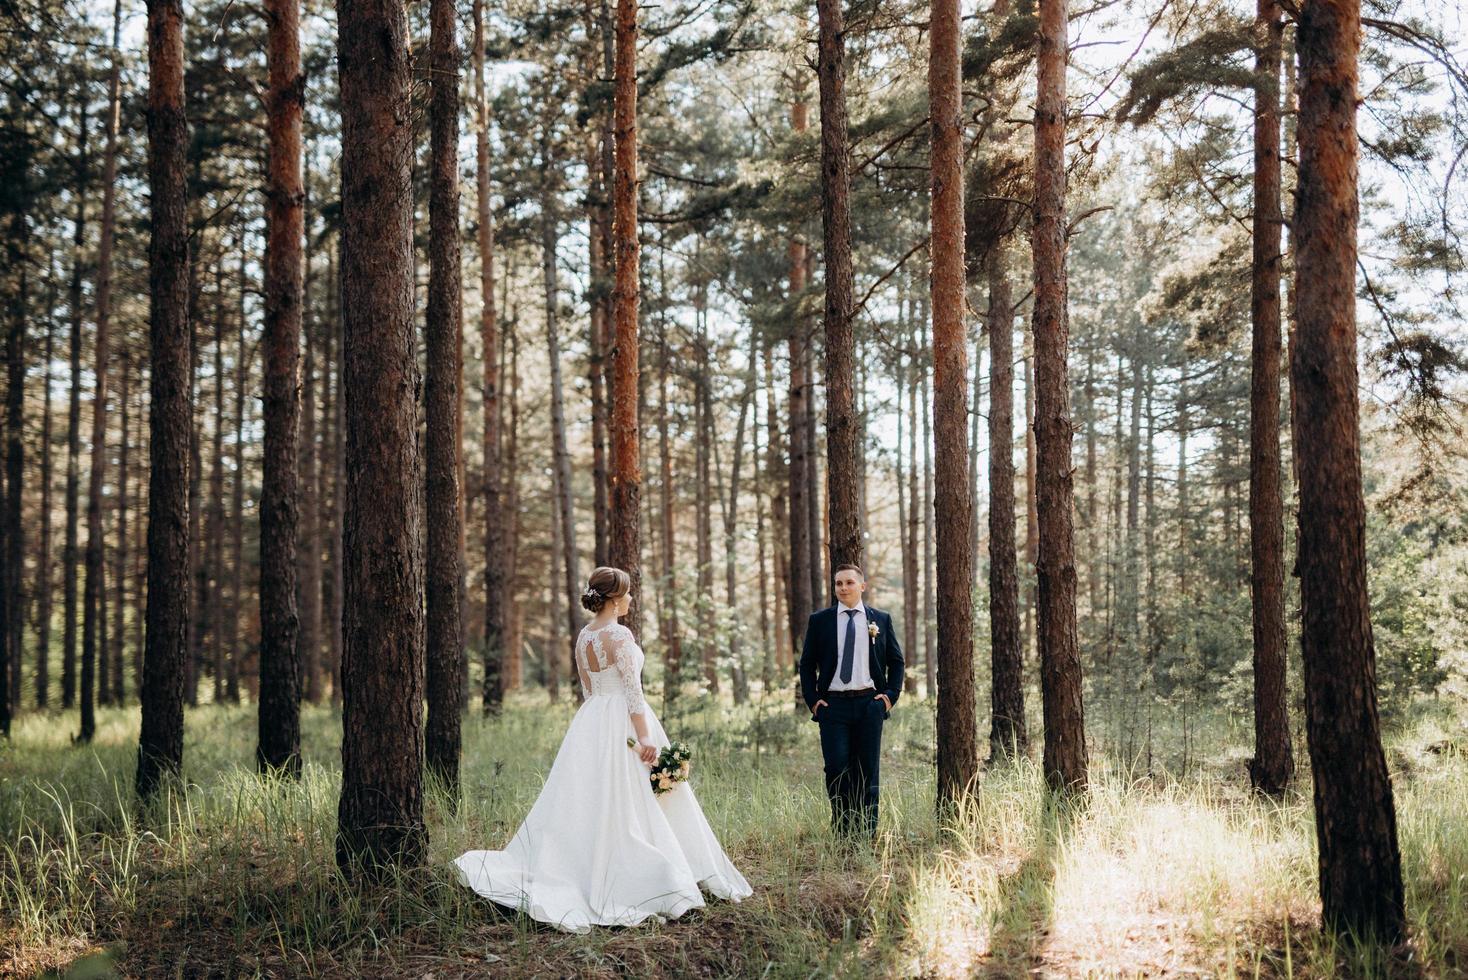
[{"x": 1149, "y": 874}]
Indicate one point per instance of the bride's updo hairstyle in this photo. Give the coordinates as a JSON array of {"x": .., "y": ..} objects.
[{"x": 605, "y": 585}]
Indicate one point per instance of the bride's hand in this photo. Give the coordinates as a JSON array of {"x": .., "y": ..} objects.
[{"x": 647, "y": 751}]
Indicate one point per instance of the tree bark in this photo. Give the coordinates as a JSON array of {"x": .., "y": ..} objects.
[
  {"x": 44, "y": 571},
  {"x": 800, "y": 600},
  {"x": 380, "y": 816},
  {"x": 1355, "y": 817},
  {"x": 308, "y": 580},
  {"x": 444, "y": 323},
  {"x": 120, "y": 577},
  {"x": 560, "y": 454},
  {"x": 958, "y": 756},
  {"x": 160, "y": 743},
  {"x": 625, "y": 479},
  {"x": 70, "y": 549},
  {"x": 1008, "y": 734},
  {"x": 842, "y": 445},
  {"x": 704, "y": 494},
  {"x": 237, "y": 503},
  {"x": 672, "y": 633},
  {"x": 13, "y": 594},
  {"x": 280, "y": 687},
  {"x": 1060, "y": 668},
  {"x": 496, "y": 572},
  {"x": 1273, "y": 764}
]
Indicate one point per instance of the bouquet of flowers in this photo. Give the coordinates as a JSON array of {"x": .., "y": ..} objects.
[{"x": 672, "y": 767}]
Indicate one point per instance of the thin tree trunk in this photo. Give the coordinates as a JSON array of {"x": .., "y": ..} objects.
[
  {"x": 515, "y": 670},
  {"x": 44, "y": 571},
  {"x": 444, "y": 328},
  {"x": 802, "y": 599},
  {"x": 160, "y": 744},
  {"x": 779, "y": 488},
  {"x": 560, "y": 455},
  {"x": 1008, "y": 733},
  {"x": 92, "y": 597},
  {"x": 913, "y": 620},
  {"x": 1060, "y": 668},
  {"x": 625, "y": 478},
  {"x": 119, "y": 603},
  {"x": 280, "y": 687},
  {"x": 380, "y": 817},
  {"x": 235, "y": 652},
  {"x": 958, "y": 756},
  {"x": 930, "y": 633},
  {"x": 70, "y": 549},
  {"x": 739, "y": 677},
  {"x": 704, "y": 497},
  {"x": 308, "y": 581},
  {"x": 1273, "y": 763},
  {"x": 496, "y": 572},
  {"x": 1355, "y": 816},
  {"x": 13, "y": 593},
  {"x": 672, "y": 633},
  {"x": 216, "y": 493},
  {"x": 1032, "y": 517}
]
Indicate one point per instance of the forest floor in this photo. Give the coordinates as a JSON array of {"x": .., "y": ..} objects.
[{"x": 1151, "y": 874}]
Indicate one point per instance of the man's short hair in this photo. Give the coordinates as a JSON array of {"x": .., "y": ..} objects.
[{"x": 848, "y": 567}]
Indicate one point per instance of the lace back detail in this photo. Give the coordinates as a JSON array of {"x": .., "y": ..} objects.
[{"x": 620, "y": 661}]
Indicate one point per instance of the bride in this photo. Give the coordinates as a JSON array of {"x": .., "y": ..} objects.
[{"x": 598, "y": 847}]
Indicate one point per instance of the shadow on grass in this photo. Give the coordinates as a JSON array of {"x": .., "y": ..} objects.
[{"x": 1024, "y": 912}]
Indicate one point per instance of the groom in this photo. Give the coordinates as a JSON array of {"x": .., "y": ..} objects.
[{"x": 850, "y": 676}]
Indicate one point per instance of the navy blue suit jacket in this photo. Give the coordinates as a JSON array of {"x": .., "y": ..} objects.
[{"x": 818, "y": 655}]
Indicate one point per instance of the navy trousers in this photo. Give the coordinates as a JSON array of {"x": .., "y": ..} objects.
[{"x": 851, "y": 743}]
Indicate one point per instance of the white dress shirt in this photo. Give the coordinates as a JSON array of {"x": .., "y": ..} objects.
[{"x": 861, "y": 665}]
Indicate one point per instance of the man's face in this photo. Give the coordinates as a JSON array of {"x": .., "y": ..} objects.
[{"x": 849, "y": 587}]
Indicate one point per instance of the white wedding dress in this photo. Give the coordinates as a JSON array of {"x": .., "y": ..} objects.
[{"x": 599, "y": 848}]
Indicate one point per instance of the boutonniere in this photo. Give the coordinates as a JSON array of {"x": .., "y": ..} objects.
[{"x": 872, "y": 630}]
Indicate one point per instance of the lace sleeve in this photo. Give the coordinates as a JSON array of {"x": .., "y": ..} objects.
[{"x": 622, "y": 648}]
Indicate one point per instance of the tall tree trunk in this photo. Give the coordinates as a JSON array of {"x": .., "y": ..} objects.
[
  {"x": 930, "y": 632},
  {"x": 802, "y": 600},
  {"x": 120, "y": 576},
  {"x": 842, "y": 446},
  {"x": 160, "y": 743},
  {"x": 445, "y": 630},
  {"x": 195, "y": 627},
  {"x": 497, "y": 581},
  {"x": 215, "y": 515},
  {"x": 308, "y": 580},
  {"x": 13, "y": 594},
  {"x": 704, "y": 416},
  {"x": 44, "y": 571},
  {"x": 237, "y": 503},
  {"x": 779, "y": 488},
  {"x": 672, "y": 633},
  {"x": 280, "y": 687},
  {"x": 625, "y": 479},
  {"x": 1008, "y": 734},
  {"x": 817, "y": 502},
  {"x": 560, "y": 454},
  {"x": 1032, "y": 517},
  {"x": 738, "y": 676},
  {"x": 104, "y": 314},
  {"x": 380, "y": 817},
  {"x": 70, "y": 551},
  {"x": 912, "y": 571},
  {"x": 1355, "y": 817},
  {"x": 958, "y": 755},
  {"x": 514, "y": 671},
  {"x": 1060, "y": 667},
  {"x": 1273, "y": 763}
]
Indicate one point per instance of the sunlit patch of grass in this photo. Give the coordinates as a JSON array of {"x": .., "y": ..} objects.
[{"x": 1162, "y": 875}]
